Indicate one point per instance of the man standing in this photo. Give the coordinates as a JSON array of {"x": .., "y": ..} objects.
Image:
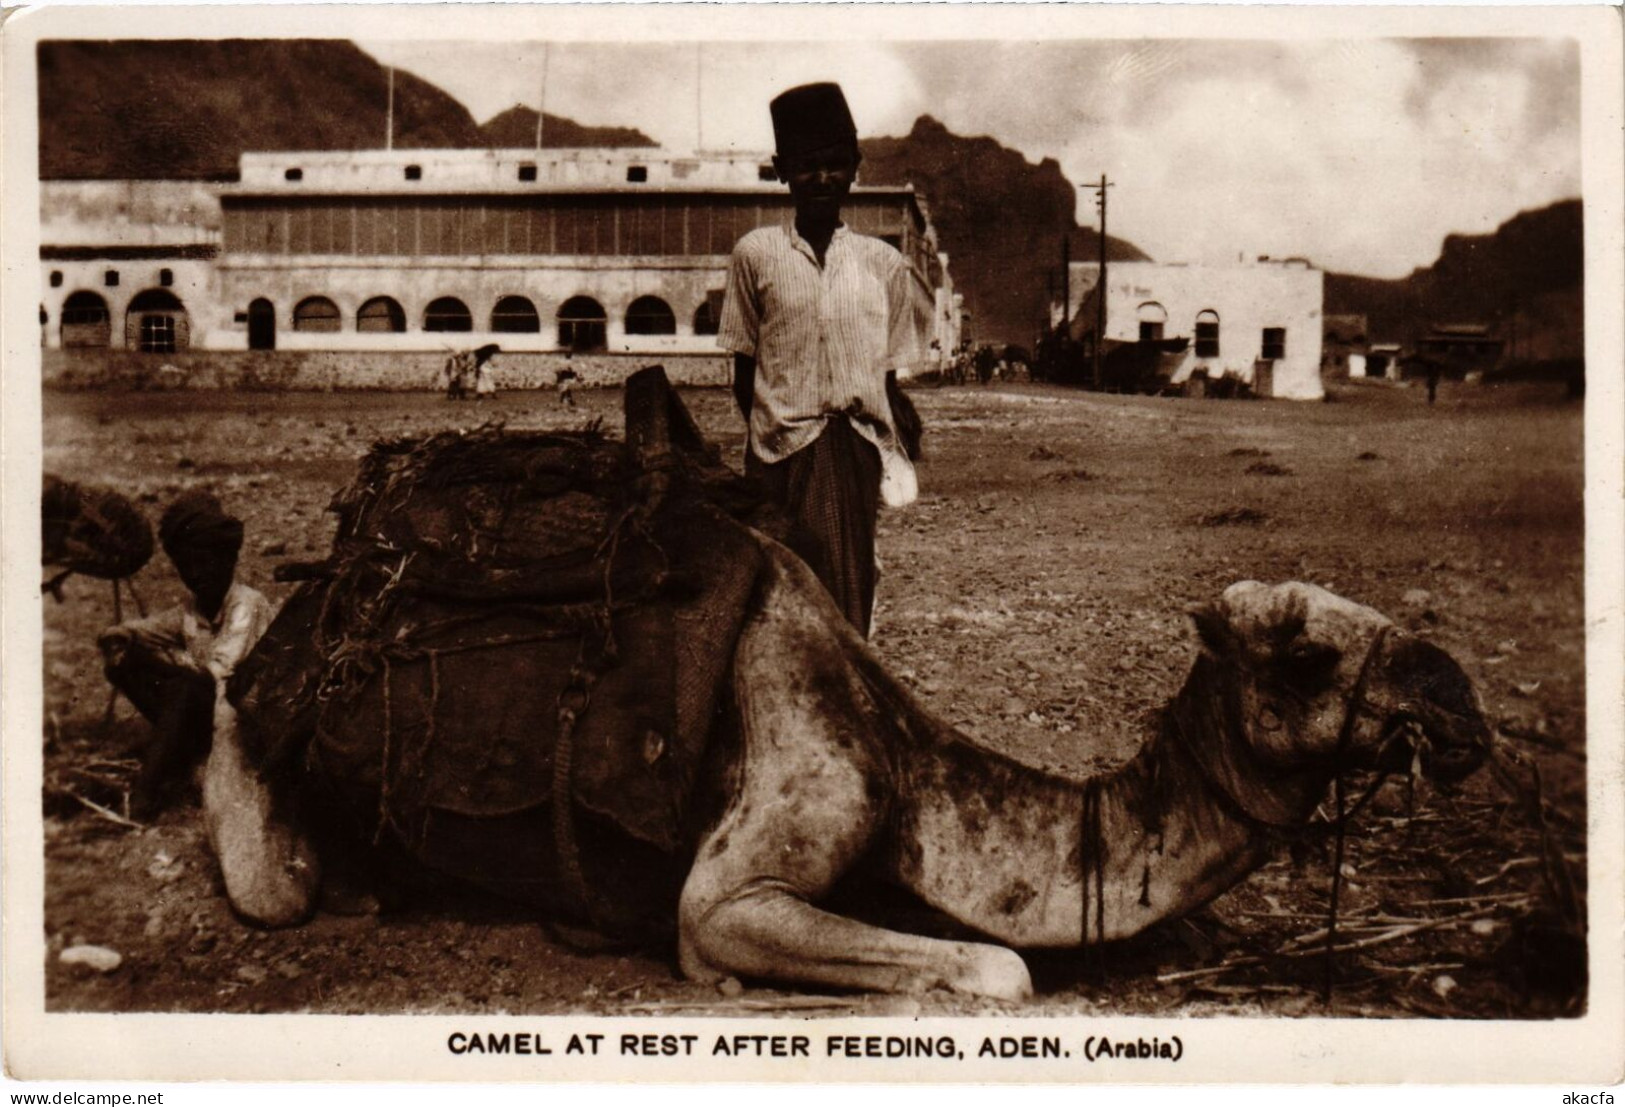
[
  {"x": 174, "y": 665},
  {"x": 817, "y": 317}
]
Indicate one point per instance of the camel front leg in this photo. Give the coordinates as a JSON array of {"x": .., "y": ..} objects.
[
  {"x": 270, "y": 869},
  {"x": 811, "y": 799},
  {"x": 763, "y": 927}
]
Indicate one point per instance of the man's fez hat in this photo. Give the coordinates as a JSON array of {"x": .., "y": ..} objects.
[{"x": 811, "y": 117}]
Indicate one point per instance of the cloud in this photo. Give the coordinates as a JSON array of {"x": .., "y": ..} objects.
[{"x": 1359, "y": 154}]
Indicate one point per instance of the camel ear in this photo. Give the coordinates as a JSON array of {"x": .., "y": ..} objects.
[{"x": 1211, "y": 625}]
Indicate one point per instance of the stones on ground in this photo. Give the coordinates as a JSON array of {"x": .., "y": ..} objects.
[
  {"x": 164, "y": 867},
  {"x": 273, "y": 549},
  {"x": 1268, "y": 469},
  {"x": 1416, "y": 597},
  {"x": 92, "y": 958},
  {"x": 731, "y": 988},
  {"x": 1234, "y": 517},
  {"x": 1249, "y": 451},
  {"x": 1368, "y": 455},
  {"x": 251, "y": 974}
]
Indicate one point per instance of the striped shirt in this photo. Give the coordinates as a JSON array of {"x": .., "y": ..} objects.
[{"x": 823, "y": 337}]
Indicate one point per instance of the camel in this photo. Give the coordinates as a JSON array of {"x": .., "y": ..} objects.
[{"x": 828, "y": 769}]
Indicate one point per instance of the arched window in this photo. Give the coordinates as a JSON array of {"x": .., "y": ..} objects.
[
  {"x": 581, "y": 324},
  {"x": 1207, "y": 334},
  {"x": 1153, "y": 316},
  {"x": 708, "y": 316},
  {"x": 156, "y": 322},
  {"x": 84, "y": 307},
  {"x": 380, "y": 315},
  {"x": 650, "y": 315},
  {"x": 447, "y": 314},
  {"x": 515, "y": 315},
  {"x": 85, "y": 321},
  {"x": 316, "y": 313}
]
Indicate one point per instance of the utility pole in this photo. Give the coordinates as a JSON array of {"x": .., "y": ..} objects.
[
  {"x": 541, "y": 110},
  {"x": 1100, "y": 280},
  {"x": 389, "y": 114},
  {"x": 1066, "y": 281}
]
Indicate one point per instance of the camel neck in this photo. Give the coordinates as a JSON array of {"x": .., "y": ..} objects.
[{"x": 1004, "y": 846}]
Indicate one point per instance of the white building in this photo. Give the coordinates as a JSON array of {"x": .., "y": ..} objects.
[
  {"x": 1257, "y": 323},
  {"x": 600, "y": 252},
  {"x": 127, "y": 264}
]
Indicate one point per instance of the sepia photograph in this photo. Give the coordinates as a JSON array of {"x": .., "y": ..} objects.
[{"x": 1054, "y": 538}]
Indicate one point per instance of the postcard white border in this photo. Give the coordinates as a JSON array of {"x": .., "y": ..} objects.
[{"x": 280, "y": 1047}]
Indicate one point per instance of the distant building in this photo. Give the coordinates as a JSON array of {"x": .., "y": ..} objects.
[
  {"x": 1382, "y": 361},
  {"x": 127, "y": 264},
  {"x": 1258, "y": 325},
  {"x": 1457, "y": 349},
  {"x": 593, "y": 251},
  {"x": 1345, "y": 340}
]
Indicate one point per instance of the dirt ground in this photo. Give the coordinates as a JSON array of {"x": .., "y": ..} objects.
[{"x": 1034, "y": 596}]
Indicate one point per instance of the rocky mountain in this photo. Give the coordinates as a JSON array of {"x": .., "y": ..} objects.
[
  {"x": 185, "y": 110},
  {"x": 517, "y": 127},
  {"x": 1000, "y": 218},
  {"x": 1526, "y": 279}
]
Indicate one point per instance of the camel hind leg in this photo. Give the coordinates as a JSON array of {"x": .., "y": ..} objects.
[{"x": 811, "y": 800}]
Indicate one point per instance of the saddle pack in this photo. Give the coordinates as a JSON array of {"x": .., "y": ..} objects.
[{"x": 517, "y": 651}]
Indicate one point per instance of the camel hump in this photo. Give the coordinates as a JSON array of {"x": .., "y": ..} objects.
[{"x": 498, "y": 603}]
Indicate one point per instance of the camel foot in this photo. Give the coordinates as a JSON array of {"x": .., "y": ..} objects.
[{"x": 994, "y": 972}]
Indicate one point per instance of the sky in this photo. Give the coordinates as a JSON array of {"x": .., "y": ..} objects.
[{"x": 1359, "y": 154}]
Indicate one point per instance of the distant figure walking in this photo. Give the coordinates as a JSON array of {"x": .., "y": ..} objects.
[
  {"x": 455, "y": 374},
  {"x": 564, "y": 380},
  {"x": 1434, "y": 371},
  {"x": 985, "y": 362}
]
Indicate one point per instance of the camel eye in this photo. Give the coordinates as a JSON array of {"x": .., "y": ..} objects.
[{"x": 1310, "y": 664}]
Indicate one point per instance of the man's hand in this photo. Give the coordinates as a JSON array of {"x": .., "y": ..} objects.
[
  {"x": 115, "y": 644},
  {"x": 744, "y": 383}
]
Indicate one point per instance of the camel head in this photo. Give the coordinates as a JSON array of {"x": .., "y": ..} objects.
[{"x": 1308, "y": 683}]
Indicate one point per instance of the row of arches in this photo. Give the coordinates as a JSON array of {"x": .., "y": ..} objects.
[
  {"x": 1153, "y": 318},
  {"x": 155, "y": 322},
  {"x": 582, "y": 321}
]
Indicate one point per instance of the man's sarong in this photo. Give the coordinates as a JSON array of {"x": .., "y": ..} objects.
[
  {"x": 174, "y": 693},
  {"x": 830, "y": 492}
]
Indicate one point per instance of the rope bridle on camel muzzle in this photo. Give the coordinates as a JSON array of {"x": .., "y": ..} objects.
[{"x": 1092, "y": 846}]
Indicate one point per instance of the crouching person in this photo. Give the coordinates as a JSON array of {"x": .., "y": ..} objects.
[{"x": 174, "y": 666}]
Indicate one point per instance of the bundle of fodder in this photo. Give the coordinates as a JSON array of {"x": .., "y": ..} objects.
[{"x": 520, "y": 638}]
